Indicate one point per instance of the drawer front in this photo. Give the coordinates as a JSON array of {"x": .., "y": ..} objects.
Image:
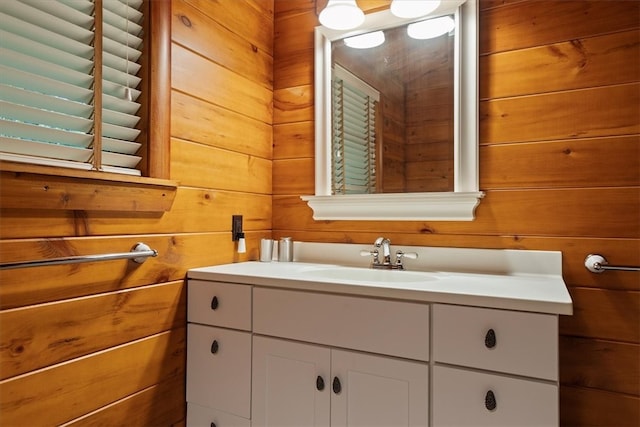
[
  {"x": 498, "y": 340},
  {"x": 200, "y": 416},
  {"x": 394, "y": 328},
  {"x": 219, "y": 304},
  {"x": 219, "y": 369},
  {"x": 470, "y": 398}
]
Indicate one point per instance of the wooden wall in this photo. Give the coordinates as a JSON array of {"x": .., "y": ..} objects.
[
  {"x": 559, "y": 163},
  {"x": 104, "y": 343}
]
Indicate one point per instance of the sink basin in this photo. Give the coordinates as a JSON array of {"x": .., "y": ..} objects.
[{"x": 368, "y": 275}]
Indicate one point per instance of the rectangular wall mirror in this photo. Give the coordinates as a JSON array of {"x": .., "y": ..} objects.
[{"x": 397, "y": 124}]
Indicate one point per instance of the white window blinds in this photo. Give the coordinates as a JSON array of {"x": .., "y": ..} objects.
[
  {"x": 47, "y": 69},
  {"x": 353, "y": 135}
]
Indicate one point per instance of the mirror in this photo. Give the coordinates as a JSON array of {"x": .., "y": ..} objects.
[{"x": 399, "y": 196}]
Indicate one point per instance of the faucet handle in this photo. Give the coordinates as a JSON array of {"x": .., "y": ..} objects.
[{"x": 410, "y": 255}]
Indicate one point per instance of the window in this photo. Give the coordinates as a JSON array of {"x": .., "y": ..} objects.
[
  {"x": 354, "y": 105},
  {"x": 56, "y": 56}
]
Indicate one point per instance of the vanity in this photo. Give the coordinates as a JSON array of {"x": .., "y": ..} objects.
[{"x": 462, "y": 337}]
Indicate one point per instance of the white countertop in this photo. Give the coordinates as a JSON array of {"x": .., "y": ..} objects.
[{"x": 511, "y": 288}]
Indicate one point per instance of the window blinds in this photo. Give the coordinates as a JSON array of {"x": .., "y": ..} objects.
[
  {"x": 353, "y": 137},
  {"x": 47, "y": 63}
]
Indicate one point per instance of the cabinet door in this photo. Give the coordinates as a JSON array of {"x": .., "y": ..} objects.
[
  {"x": 219, "y": 369},
  {"x": 291, "y": 384},
  {"x": 378, "y": 391},
  {"x": 463, "y": 397}
]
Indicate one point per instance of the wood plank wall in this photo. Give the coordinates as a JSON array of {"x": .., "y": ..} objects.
[
  {"x": 559, "y": 162},
  {"x": 104, "y": 343}
]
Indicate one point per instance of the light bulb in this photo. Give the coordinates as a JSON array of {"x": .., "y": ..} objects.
[
  {"x": 430, "y": 28},
  {"x": 413, "y": 8},
  {"x": 341, "y": 15},
  {"x": 365, "y": 41}
]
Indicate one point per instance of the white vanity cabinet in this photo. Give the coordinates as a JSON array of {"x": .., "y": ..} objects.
[
  {"x": 301, "y": 383},
  {"x": 218, "y": 354},
  {"x": 494, "y": 367}
]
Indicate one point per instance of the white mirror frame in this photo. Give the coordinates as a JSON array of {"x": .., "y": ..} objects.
[{"x": 458, "y": 205}]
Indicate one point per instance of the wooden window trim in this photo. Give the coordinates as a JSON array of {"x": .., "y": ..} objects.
[{"x": 26, "y": 186}]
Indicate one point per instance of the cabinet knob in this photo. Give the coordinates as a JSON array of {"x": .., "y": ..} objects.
[
  {"x": 319, "y": 383},
  {"x": 213, "y": 425},
  {"x": 490, "y": 339},
  {"x": 214, "y": 303},
  {"x": 337, "y": 387},
  {"x": 490, "y": 401},
  {"x": 214, "y": 347}
]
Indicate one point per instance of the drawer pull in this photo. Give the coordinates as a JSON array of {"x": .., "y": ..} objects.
[
  {"x": 214, "y": 347},
  {"x": 337, "y": 387},
  {"x": 490, "y": 339},
  {"x": 213, "y": 425},
  {"x": 490, "y": 401},
  {"x": 319, "y": 383},
  {"x": 214, "y": 303}
]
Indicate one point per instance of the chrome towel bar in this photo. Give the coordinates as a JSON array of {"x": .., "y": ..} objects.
[
  {"x": 598, "y": 264},
  {"x": 139, "y": 254}
]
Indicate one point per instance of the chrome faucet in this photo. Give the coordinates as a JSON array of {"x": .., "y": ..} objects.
[{"x": 385, "y": 244}]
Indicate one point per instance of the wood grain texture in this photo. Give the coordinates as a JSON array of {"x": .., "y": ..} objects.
[
  {"x": 46, "y": 334},
  {"x": 294, "y": 104},
  {"x": 42, "y": 397},
  {"x": 295, "y": 140},
  {"x": 158, "y": 405},
  {"x": 527, "y": 24},
  {"x": 597, "y": 408}
]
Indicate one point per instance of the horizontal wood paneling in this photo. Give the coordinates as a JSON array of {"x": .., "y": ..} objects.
[
  {"x": 592, "y": 162},
  {"x": 202, "y": 78},
  {"x": 294, "y": 140},
  {"x": 597, "y": 408},
  {"x": 553, "y": 212},
  {"x": 594, "y": 112},
  {"x": 194, "y": 210},
  {"x": 46, "y": 334},
  {"x": 199, "y": 31},
  {"x": 575, "y": 64},
  {"x": 600, "y": 364},
  {"x": 293, "y": 176},
  {"x": 252, "y": 20},
  {"x": 533, "y": 23},
  {"x": 42, "y": 397},
  {"x": 198, "y": 121},
  {"x": 160, "y": 404},
  {"x": 604, "y": 314},
  {"x": 293, "y": 104},
  {"x": 217, "y": 168}
]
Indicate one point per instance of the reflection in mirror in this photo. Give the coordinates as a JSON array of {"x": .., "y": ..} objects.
[
  {"x": 393, "y": 112},
  {"x": 431, "y": 130}
]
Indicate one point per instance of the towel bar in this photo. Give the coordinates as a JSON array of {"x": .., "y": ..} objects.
[
  {"x": 598, "y": 264},
  {"x": 139, "y": 254}
]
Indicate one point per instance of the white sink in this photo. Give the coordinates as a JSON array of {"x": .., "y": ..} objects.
[{"x": 367, "y": 275}]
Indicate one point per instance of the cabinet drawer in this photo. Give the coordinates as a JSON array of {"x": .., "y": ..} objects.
[
  {"x": 498, "y": 340},
  {"x": 200, "y": 416},
  {"x": 394, "y": 328},
  {"x": 219, "y": 369},
  {"x": 219, "y": 304},
  {"x": 463, "y": 398}
]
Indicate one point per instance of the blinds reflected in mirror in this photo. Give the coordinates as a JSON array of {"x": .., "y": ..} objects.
[
  {"x": 354, "y": 106},
  {"x": 47, "y": 64}
]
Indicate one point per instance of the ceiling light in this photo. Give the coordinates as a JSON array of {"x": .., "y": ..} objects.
[
  {"x": 430, "y": 28},
  {"x": 341, "y": 15},
  {"x": 365, "y": 41},
  {"x": 413, "y": 8}
]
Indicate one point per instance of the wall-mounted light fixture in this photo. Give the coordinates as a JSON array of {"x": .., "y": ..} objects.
[
  {"x": 341, "y": 15},
  {"x": 413, "y": 8},
  {"x": 430, "y": 28}
]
